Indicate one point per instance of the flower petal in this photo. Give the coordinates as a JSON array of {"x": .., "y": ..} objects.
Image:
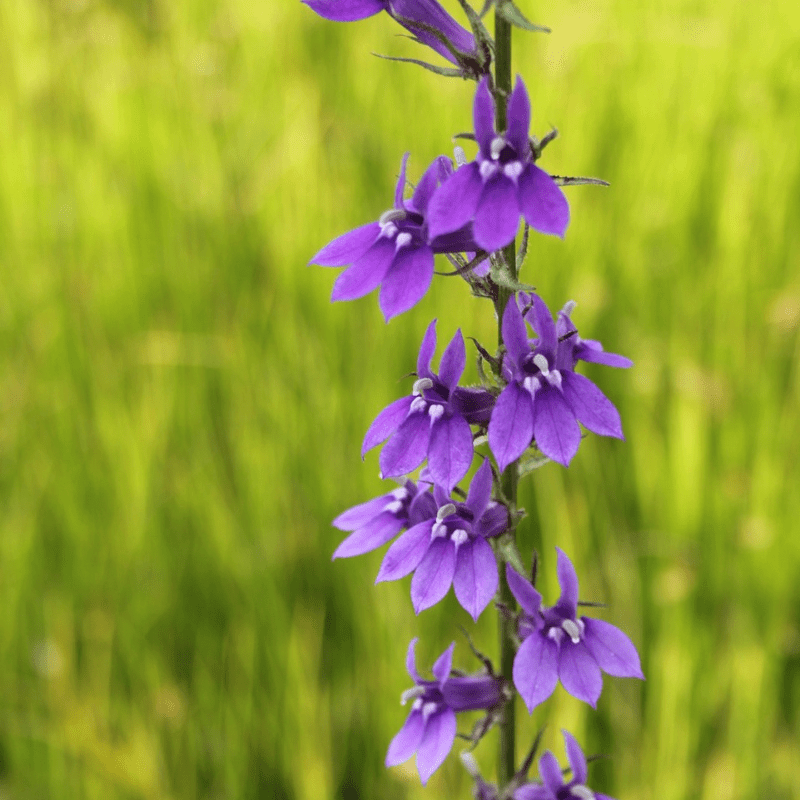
[
  {"x": 567, "y": 603},
  {"x": 511, "y": 425},
  {"x": 386, "y": 423},
  {"x": 497, "y": 215},
  {"x": 405, "y": 554},
  {"x": 438, "y": 170},
  {"x": 493, "y": 521},
  {"x": 542, "y": 202},
  {"x": 345, "y": 10},
  {"x": 454, "y": 202},
  {"x": 411, "y": 660},
  {"x": 472, "y": 692},
  {"x": 614, "y": 652},
  {"x": 358, "y": 516},
  {"x": 407, "y": 740},
  {"x": 533, "y": 791},
  {"x": 554, "y": 426},
  {"x": 406, "y": 450},
  {"x": 441, "y": 669},
  {"x": 406, "y": 281},
  {"x": 426, "y": 351},
  {"x": 373, "y": 535},
  {"x": 536, "y": 670},
  {"x": 480, "y": 490},
  {"x": 542, "y": 321},
  {"x": 577, "y": 760},
  {"x": 475, "y": 579},
  {"x": 483, "y": 118},
  {"x": 518, "y": 117},
  {"x": 423, "y": 507},
  {"x": 434, "y": 575},
  {"x": 430, "y": 13},
  {"x": 515, "y": 333},
  {"x": 590, "y": 350},
  {"x": 592, "y": 408},
  {"x": 550, "y": 772},
  {"x": 437, "y": 741},
  {"x": 523, "y": 590},
  {"x": 348, "y": 247},
  {"x": 454, "y": 359},
  {"x": 366, "y": 273},
  {"x": 449, "y": 451},
  {"x": 578, "y": 672}
]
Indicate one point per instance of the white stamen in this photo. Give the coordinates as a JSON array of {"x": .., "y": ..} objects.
[
  {"x": 513, "y": 170},
  {"x": 400, "y": 493},
  {"x": 554, "y": 378},
  {"x": 435, "y": 411},
  {"x": 395, "y": 507},
  {"x": 532, "y": 383},
  {"x": 498, "y": 143},
  {"x": 421, "y": 385},
  {"x": 428, "y": 709},
  {"x": 445, "y": 511},
  {"x": 418, "y": 404},
  {"x": 541, "y": 362},
  {"x": 556, "y": 634},
  {"x": 572, "y": 630},
  {"x": 458, "y": 537},
  {"x": 392, "y": 215},
  {"x": 487, "y": 169},
  {"x": 389, "y": 230},
  {"x": 411, "y": 694},
  {"x": 460, "y": 155},
  {"x": 438, "y": 531},
  {"x": 582, "y": 792},
  {"x": 403, "y": 239},
  {"x": 569, "y": 307}
]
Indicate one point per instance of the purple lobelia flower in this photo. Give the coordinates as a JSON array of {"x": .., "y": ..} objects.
[
  {"x": 502, "y": 183},
  {"x": 559, "y": 646},
  {"x": 451, "y": 548},
  {"x": 395, "y": 252},
  {"x": 553, "y": 787},
  {"x": 378, "y": 521},
  {"x": 430, "y": 729},
  {"x": 414, "y": 15},
  {"x": 545, "y": 398},
  {"x": 434, "y": 421}
]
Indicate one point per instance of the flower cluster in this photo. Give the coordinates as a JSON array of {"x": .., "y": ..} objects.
[{"x": 530, "y": 397}]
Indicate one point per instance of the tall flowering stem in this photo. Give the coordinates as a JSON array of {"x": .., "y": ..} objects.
[{"x": 506, "y": 766}]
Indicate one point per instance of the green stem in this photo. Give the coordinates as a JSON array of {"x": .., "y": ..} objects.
[{"x": 507, "y": 758}]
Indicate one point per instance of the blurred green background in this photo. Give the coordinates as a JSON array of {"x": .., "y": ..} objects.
[{"x": 182, "y": 408}]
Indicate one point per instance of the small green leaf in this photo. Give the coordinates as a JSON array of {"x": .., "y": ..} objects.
[
  {"x": 448, "y": 72},
  {"x": 563, "y": 181},
  {"x": 511, "y": 14}
]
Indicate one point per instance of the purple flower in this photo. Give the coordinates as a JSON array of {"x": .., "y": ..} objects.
[
  {"x": 502, "y": 183},
  {"x": 545, "y": 398},
  {"x": 395, "y": 252},
  {"x": 407, "y": 13},
  {"x": 451, "y": 548},
  {"x": 559, "y": 646},
  {"x": 434, "y": 421},
  {"x": 378, "y": 521},
  {"x": 430, "y": 729},
  {"x": 554, "y": 787}
]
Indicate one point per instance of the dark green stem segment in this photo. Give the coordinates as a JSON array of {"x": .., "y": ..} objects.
[{"x": 507, "y": 759}]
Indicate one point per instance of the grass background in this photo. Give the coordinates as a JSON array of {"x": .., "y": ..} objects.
[{"x": 182, "y": 408}]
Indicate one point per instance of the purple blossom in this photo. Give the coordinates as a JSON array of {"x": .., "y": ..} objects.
[
  {"x": 378, "y": 521},
  {"x": 502, "y": 183},
  {"x": 430, "y": 729},
  {"x": 407, "y": 13},
  {"x": 559, "y": 646},
  {"x": 395, "y": 252},
  {"x": 451, "y": 548},
  {"x": 434, "y": 421},
  {"x": 553, "y": 787},
  {"x": 545, "y": 398}
]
